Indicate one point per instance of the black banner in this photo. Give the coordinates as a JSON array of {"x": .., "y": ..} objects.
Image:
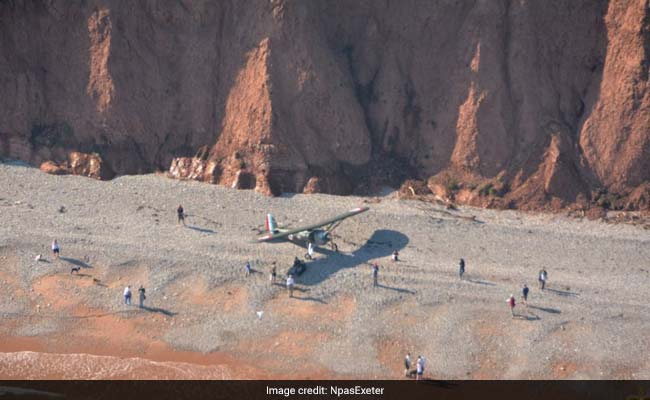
[{"x": 280, "y": 390}]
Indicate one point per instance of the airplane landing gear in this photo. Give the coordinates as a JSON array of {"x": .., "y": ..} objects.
[
  {"x": 334, "y": 247},
  {"x": 310, "y": 251}
]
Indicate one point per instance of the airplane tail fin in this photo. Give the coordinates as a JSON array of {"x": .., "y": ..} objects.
[{"x": 271, "y": 225}]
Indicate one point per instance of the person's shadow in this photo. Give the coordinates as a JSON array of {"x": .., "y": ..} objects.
[
  {"x": 159, "y": 310},
  {"x": 546, "y": 309},
  {"x": 397, "y": 289},
  {"x": 76, "y": 262},
  {"x": 480, "y": 282},
  {"x": 529, "y": 316},
  {"x": 564, "y": 293},
  {"x": 201, "y": 230},
  {"x": 382, "y": 243}
]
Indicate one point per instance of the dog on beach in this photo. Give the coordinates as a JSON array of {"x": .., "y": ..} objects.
[{"x": 75, "y": 269}]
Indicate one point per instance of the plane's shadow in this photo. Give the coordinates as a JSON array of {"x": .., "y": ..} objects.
[{"x": 382, "y": 243}]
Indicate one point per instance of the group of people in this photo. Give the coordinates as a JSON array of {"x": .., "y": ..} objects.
[
  {"x": 273, "y": 275},
  {"x": 56, "y": 250},
  {"x": 542, "y": 277},
  {"x": 419, "y": 367},
  {"x": 141, "y": 296},
  {"x": 375, "y": 268}
]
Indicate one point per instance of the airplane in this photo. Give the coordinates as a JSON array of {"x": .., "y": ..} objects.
[{"x": 307, "y": 234}]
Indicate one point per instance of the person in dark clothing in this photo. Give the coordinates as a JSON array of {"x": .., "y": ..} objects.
[
  {"x": 524, "y": 293},
  {"x": 181, "y": 215},
  {"x": 142, "y": 296},
  {"x": 461, "y": 268},
  {"x": 375, "y": 274},
  {"x": 274, "y": 273},
  {"x": 407, "y": 364}
]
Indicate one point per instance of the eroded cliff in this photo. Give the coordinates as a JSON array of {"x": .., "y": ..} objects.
[{"x": 498, "y": 103}]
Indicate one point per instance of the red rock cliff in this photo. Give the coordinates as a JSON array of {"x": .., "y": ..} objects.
[{"x": 544, "y": 102}]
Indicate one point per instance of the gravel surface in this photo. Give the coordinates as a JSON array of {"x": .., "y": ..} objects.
[{"x": 592, "y": 322}]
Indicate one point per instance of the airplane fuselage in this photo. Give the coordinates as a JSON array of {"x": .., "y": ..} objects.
[
  {"x": 317, "y": 237},
  {"x": 317, "y": 234}
]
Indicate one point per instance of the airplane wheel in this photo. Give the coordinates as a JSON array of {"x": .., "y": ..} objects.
[
  {"x": 335, "y": 247},
  {"x": 307, "y": 256}
]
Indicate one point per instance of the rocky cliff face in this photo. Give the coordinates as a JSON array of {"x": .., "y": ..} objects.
[{"x": 502, "y": 103}]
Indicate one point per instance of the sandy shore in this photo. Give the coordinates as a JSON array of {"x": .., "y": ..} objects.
[{"x": 201, "y": 319}]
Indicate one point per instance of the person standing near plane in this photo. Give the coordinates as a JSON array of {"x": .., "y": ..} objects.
[
  {"x": 290, "y": 283},
  {"x": 310, "y": 250},
  {"x": 395, "y": 256},
  {"x": 273, "y": 273},
  {"x": 375, "y": 274}
]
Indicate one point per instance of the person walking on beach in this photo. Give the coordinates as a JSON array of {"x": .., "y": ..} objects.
[
  {"x": 181, "y": 215},
  {"x": 127, "y": 295},
  {"x": 524, "y": 293},
  {"x": 419, "y": 365},
  {"x": 375, "y": 274},
  {"x": 142, "y": 296},
  {"x": 248, "y": 268},
  {"x": 407, "y": 364},
  {"x": 290, "y": 283},
  {"x": 511, "y": 303},
  {"x": 55, "y": 249},
  {"x": 273, "y": 273},
  {"x": 461, "y": 268},
  {"x": 543, "y": 276}
]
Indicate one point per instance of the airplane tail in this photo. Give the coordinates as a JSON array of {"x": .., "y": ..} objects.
[{"x": 271, "y": 225}]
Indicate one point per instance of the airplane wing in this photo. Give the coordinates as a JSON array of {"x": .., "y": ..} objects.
[{"x": 329, "y": 223}]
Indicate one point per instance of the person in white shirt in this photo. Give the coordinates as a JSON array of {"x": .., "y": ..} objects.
[
  {"x": 55, "y": 248},
  {"x": 310, "y": 250},
  {"x": 127, "y": 295},
  {"x": 290, "y": 283}
]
